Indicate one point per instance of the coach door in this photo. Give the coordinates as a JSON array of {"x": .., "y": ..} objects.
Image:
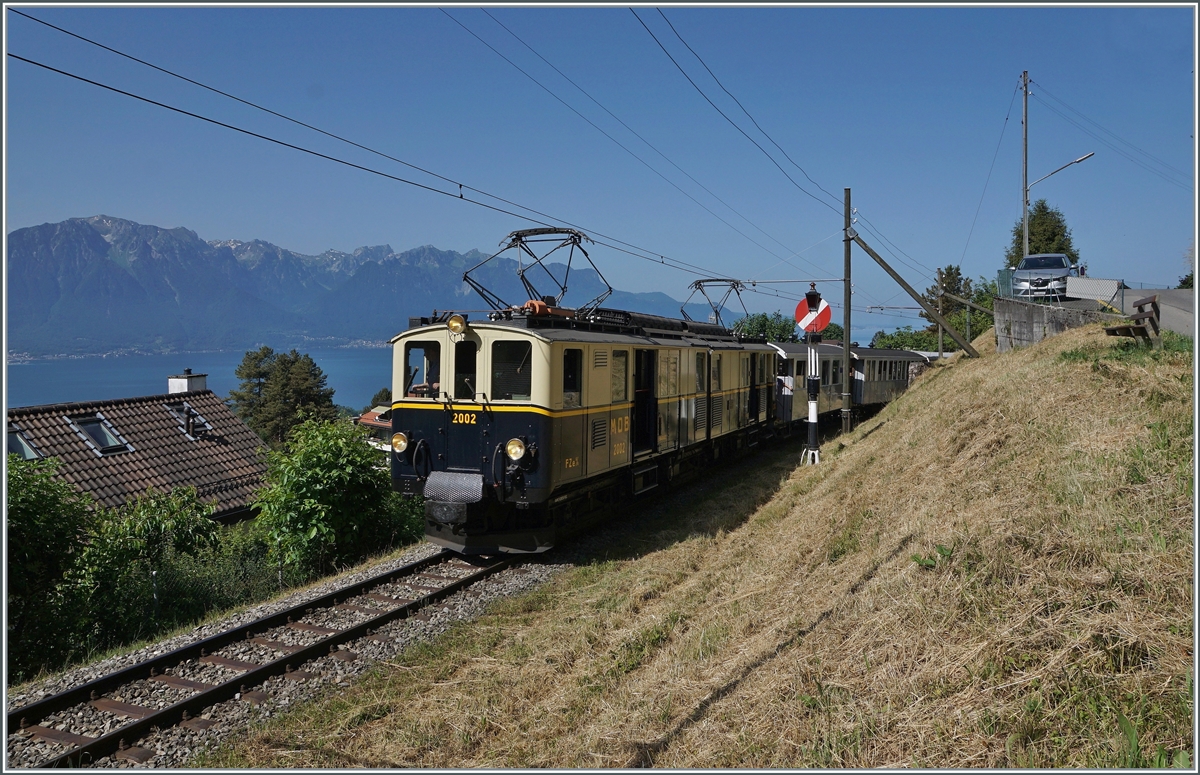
[{"x": 645, "y": 403}]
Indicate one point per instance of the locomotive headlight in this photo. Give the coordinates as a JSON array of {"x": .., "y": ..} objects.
[
  {"x": 457, "y": 324},
  {"x": 399, "y": 442},
  {"x": 515, "y": 449}
]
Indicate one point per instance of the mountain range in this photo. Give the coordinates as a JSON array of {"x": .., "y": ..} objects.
[{"x": 103, "y": 284}]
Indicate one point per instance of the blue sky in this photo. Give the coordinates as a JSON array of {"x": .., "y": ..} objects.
[{"x": 906, "y": 106}]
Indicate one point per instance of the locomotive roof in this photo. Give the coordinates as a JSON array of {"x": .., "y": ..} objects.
[{"x": 607, "y": 326}]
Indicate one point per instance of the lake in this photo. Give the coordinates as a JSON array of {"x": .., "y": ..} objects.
[{"x": 355, "y": 374}]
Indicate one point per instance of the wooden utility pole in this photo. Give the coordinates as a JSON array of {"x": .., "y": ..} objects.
[
  {"x": 939, "y": 312},
  {"x": 933, "y": 314},
  {"x": 847, "y": 373}
]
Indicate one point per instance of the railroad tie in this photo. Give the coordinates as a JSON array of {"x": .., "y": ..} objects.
[
  {"x": 133, "y": 754},
  {"x": 233, "y": 664},
  {"x": 286, "y": 648},
  {"x": 181, "y": 683},
  {"x": 306, "y": 627},
  {"x": 123, "y": 708},
  {"x": 387, "y": 599},
  {"x": 52, "y": 735}
]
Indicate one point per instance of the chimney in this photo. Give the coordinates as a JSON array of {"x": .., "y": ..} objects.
[{"x": 186, "y": 382}]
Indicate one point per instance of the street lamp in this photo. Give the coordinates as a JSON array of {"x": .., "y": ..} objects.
[{"x": 1025, "y": 208}]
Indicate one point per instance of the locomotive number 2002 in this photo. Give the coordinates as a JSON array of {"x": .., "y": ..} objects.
[{"x": 464, "y": 418}]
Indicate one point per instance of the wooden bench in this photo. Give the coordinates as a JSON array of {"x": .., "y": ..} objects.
[{"x": 1143, "y": 325}]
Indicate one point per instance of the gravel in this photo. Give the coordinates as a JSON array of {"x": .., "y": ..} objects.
[{"x": 175, "y": 746}]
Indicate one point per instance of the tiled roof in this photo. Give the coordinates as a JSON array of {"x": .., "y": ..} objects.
[{"x": 221, "y": 459}]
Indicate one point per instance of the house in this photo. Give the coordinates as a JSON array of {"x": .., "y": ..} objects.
[
  {"x": 115, "y": 449},
  {"x": 378, "y": 421}
]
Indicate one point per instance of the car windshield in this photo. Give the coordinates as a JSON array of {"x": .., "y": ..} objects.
[{"x": 1043, "y": 262}]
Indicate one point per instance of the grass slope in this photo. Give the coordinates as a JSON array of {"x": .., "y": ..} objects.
[{"x": 996, "y": 570}]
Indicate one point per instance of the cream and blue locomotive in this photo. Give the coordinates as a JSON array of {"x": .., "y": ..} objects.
[{"x": 514, "y": 428}]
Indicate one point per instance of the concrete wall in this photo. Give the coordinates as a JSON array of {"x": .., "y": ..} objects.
[{"x": 1022, "y": 323}]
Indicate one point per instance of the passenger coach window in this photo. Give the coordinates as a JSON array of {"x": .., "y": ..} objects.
[
  {"x": 572, "y": 378},
  {"x": 715, "y": 372},
  {"x": 422, "y": 361},
  {"x": 825, "y": 372},
  {"x": 700, "y": 369},
  {"x": 464, "y": 370},
  {"x": 511, "y": 377},
  {"x": 620, "y": 375}
]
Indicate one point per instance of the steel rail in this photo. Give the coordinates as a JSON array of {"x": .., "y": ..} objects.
[{"x": 173, "y": 714}]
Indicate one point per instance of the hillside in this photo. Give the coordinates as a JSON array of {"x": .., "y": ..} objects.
[
  {"x": 996, "y": 570},
  {"x": 102, "y": 284}
]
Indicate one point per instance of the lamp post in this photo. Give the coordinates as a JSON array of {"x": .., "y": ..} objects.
[{"x": 1025, "y": 208}]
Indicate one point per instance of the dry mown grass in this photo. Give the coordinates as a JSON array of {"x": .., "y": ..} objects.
[{"x": 994, "y": 571}]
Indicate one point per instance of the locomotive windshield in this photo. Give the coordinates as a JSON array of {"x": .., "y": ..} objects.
[
  {"x": 464, "y": 370},
  {"x": 512, "y": 378}
]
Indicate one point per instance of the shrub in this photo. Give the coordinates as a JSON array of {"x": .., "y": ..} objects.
[
  {"x": 117, "y": 587},
  {"x": 47, "y": 522},
  {"x": 328, "y": 502}
]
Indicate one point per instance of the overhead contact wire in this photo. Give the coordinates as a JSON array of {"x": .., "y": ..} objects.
[
  {"x": 463, "y": 186},
  {"x": 743, "y": 107},
  {"x": 793, "y": 253},
  {"x": 727, "y": 118},
  {"x": 610, "y": 137}
]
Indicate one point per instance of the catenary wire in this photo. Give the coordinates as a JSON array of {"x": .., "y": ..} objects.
[
  {"x": 1110, "y": 146},
  {"x": 610, "y": 137},
  {"x": 461, "y": 186},
  {"x": 727, "y": 118},
  {"x": 793, "y": 253},
  {"x": 743, "y": 107},
  {"x": 642, "y": 253},
  {"x": 645, "y": 254},
  {"x": 1111, "y": 134},
  {"x": 989, "y": 175}
]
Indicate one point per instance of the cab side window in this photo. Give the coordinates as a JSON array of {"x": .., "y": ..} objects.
[
  {"x": 423, "y": 363},
  {"x": 512, "y": 378},
  {"x": 572, "y": 378}
]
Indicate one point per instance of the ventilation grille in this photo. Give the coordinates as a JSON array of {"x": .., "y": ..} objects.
[
  {"x": 600, "y": 359},
  {"x": 599, "y": 433},
  {"x": 717, "y": 411},
  {"x": 762, "y": 398},
  {"x": 701, "y": 413}
]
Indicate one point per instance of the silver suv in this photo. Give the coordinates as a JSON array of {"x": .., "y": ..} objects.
[{"x": 1043, "y": 276}]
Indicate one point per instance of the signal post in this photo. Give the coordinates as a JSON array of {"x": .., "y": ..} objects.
[{"x": 812, "y": 315}]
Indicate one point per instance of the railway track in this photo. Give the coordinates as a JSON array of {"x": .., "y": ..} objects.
[{"x": 175, "y": 688}]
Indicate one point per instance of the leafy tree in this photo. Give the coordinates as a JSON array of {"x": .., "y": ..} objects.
[
  {"x": 905, "y": 338},
  {"x": 1048, "y": 233},
  {"x": 327, "y": 501},
  {"x": 777, "y": 328},
  {"x": 1190, "y": 255},
  {"x": 47, "y": 521},
  {"x": 278, "y": 391}
]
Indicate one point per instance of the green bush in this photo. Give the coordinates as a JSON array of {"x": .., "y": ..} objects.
[
  {"x": 47, "y": 520},
  {"x": 328, "y": 501},
  {"x": 133, "y": 552}
]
